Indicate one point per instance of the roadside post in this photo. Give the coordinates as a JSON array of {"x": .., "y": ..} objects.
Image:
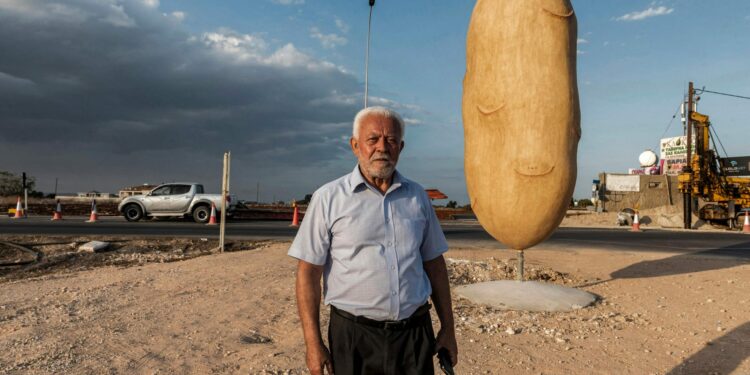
[
  {"x": 224, "y": 194},
  {"x": 25, "y": 196}
]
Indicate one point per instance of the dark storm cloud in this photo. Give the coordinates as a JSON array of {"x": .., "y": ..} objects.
[
  {"x": 108, "y": 69},
  {"x": 103, "y": 78}
]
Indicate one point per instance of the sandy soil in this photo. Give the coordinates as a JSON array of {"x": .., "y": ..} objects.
[{"x": 177, "y": 307}]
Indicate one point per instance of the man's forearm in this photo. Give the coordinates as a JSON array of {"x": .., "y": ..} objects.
[
  {"x": 308, "y": 301},
  {"x": 441, "y": 293}
]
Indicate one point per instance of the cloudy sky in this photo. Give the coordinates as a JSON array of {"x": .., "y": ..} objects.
[{"x": 103, "y": 94}]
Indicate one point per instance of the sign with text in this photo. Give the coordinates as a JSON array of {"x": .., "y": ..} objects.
[
  {"x": 674, "y": 153},
  {"x": 615, "y": 182},
  {"x": 736, "y": 166}
]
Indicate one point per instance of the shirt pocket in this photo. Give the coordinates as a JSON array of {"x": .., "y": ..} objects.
[{"x": 409, "y": 236}]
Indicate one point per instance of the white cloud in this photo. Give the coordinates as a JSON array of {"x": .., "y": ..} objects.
[
  {"x": 606, "y": 43},
  {"x": 343, "y": 26},
  {"x": 579, "y": 52},
  {"x": 288, "y": 2},
  {"x": 151, "y": 3},
  {"x": 289, "y": 56},
  {"x": 327, "y": 40},
  {"x": 413, "y": 121},
  {"x": 118, "y": 17},
  {"x": 242, "y": 47},
  {"x": 650, "y": 12},
  {"x": 178, "y": 15},
  {"x": 582, "y": 41}
]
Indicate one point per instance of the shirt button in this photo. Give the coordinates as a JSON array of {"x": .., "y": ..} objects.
[
  {"x": 393, "y": 292},
  {"x": 389, "y": 243},
  {"x": 393, "y": 267},
  {"x": 386, "y": 220}
]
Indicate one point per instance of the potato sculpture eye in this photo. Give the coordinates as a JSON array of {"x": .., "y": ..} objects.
[{"x": 520, "y": 153}]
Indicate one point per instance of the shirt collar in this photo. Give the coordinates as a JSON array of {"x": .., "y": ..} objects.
[{"x": 356, "y": 180}]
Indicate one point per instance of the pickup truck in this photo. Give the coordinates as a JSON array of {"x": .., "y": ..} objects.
[{"x": 174, "y": 199}]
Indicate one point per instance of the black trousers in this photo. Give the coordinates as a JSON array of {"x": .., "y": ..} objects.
[{"x": 358, "y": 348}]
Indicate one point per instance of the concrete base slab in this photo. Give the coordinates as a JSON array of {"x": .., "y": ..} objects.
[{"x": 526, "y": 295}]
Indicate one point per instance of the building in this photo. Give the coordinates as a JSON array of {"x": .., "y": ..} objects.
[
  {"x": 95, "y": 194},
  {"x": 617, "y": 191},
  {"x": 136, "y": 190}
]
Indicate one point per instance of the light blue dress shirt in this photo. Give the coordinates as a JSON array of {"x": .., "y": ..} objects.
[{"x": 372, "y": 245}]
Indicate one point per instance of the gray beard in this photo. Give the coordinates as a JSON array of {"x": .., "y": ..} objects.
[{"x": 382, "y": 173}]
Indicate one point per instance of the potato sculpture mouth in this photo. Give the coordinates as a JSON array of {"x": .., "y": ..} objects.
[{"x": 534, "y": 170}]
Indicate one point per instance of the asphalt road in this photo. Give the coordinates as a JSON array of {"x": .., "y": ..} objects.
[{"x": 459, "y": 234}]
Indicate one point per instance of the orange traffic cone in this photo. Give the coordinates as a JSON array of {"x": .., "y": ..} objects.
[
  {"x": 746, "y": 226},
  {"x": 19, "y": 210},
  {"x": 212, "y": 220},
  {"x": 295, "y": 217},
  {"x": 58, "y": 212},
  {"x": 94, "y": 216},
  {"x": 636, "y": 224}
]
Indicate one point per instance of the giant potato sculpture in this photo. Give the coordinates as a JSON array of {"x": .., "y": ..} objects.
[{"x": 521, "y": 117}]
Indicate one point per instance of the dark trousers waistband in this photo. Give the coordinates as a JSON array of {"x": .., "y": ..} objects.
[{"x": 416, "y": 319}]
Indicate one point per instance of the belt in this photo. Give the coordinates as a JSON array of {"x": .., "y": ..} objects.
[{"x": 414, "y": 320}]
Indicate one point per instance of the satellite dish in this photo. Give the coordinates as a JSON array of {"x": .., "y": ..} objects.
[{"x": 648, "y": 158}]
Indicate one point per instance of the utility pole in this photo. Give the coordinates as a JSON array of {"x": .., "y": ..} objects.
[
  {"x": 55, "y": 187},
  {"x": 687, "y": 196},
  {"x": 257, "y": 194},
  {"x": 25, "y": 195}
]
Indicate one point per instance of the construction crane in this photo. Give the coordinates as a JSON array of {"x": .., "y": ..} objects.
[{"x": 704, "y": 181}]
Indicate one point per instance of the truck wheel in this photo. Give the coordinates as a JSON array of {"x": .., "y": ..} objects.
[
  {"x": 132, "y": 212},
  {"x": 201, "y": 214}
]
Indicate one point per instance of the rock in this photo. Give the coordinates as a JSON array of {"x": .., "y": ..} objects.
[
  {"x": 511, "y": 331},
  {"x": 93, "y": 247}
]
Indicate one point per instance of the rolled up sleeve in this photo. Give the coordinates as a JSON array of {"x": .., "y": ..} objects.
[{"x": 313, "y": 240}]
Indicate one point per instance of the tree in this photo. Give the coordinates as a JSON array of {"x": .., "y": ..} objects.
[
  {"x": 452, "y": 204},
  {"x": 11, "y": 184}
]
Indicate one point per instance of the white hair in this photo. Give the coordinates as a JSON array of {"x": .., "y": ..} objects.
[{"x": 378, "y": 111}]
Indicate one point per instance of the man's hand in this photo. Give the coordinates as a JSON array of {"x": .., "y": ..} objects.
[
  {"x": 437, "y": 272},
  {"x": 319, "y": 360},
  {"x": 308, "y": 302},
  {"x": 446, "y": 338}
]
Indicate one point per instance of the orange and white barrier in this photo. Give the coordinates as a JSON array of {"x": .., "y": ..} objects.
[
  {"x": 212, "y": 220},
  {"x": 94, "y": 216},
  {"x": 295, "y": 217},
  {"x": 19, "y": 210},
  {"x": 58, "y": 212},
  {"x": 636, "y": 224}
]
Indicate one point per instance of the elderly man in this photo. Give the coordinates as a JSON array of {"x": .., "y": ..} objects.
[{"x": 375, "y": 239}]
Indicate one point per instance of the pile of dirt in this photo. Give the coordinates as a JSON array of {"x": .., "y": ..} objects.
[
  {"x": 62, "y": 255},
  {"x": 461, "y": 272}
]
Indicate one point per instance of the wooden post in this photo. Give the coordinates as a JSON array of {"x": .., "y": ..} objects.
[{"x": 224, "y": 194}]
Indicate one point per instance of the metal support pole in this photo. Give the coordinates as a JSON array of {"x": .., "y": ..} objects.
[
  {"x": 688, "y": 208},
  {"x": 367, "y": 52},
  {"x": 224, "y": 194},
  {"x": 519, "y": 275}
]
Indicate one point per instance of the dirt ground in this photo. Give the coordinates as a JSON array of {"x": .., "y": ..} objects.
[{"x": 177, "y": 307}]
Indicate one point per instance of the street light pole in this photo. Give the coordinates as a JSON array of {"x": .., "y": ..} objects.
[{"x": 367, "y": 53}]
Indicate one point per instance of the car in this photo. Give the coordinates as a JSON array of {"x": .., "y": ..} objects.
[{"x": 176, "y": 199}]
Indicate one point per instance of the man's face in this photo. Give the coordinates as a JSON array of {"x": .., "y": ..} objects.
[{"x": 377, "y": 146}]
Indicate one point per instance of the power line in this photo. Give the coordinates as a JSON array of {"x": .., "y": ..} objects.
[
  {"x": 672, "y": 120},
  {"x": 723, "y": 93}
]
